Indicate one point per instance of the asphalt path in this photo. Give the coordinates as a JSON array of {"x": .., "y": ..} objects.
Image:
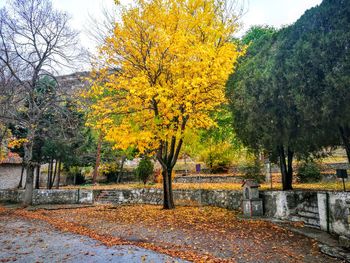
[{"x": 24, "y": 240}]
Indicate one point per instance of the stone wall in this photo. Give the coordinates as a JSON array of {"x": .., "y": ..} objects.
[
  {"x": 325, "y": 210},
  {"x": 208, "y": 179},
  {"x": 284, "y": 204},
  {"x": 221, "y": 198},
  {"x": 12, "y": 196},
  {"x": 134, "y": 196},
  {"x": 10, "y": 174},
  {"x": 329, "y": 211},
  {"x": 62, "y": 197},
  {"x": 334, "y": 210},
  {"x": 49, "y": 196}
]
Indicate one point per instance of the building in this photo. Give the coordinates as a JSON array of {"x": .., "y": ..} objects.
[{"x": 10, "y": 171}]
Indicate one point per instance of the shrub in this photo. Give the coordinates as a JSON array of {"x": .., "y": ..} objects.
[
  {"x": 253, "y": 171},
  {"x": 218, "y": 157},
  {"x": 110, "y": 170},
  {"x": 145, "y": 169},
  {"x": 309, "y": 172}
]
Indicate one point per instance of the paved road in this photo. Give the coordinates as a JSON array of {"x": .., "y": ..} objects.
[{"x": 35, "y": 241}]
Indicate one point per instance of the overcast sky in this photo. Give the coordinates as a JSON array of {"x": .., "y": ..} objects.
[{"x": 258, "y": 12}]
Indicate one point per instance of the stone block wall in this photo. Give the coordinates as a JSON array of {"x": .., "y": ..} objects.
[
  {"x": 293, "y": 206},
  {"x": 221, "y": 198},
  {"x": 329, "y": 211},
  {"x": 62, "y": 197},
  {"x": 55, "y": 197},
  {"x": 208, "y": 179},
  {"x": 129, "y": 196},
  {"x": 12, "y": 196},
  {"x": 334, "y": 210},
  {"x": 49, "y": 196},
  {"x": 284, "y": 204}
]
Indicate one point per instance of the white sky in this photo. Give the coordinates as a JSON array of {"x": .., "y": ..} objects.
[
  {"x": 276, "y": 12},
  {"x": 259, "y": 12}
]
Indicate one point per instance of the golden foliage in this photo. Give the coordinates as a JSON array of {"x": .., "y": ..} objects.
[
  {"x": 15, "y": 143},
  {"x": 167, "y": 65}
]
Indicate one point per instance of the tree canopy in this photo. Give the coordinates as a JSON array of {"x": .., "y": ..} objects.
[
  {"x": 289, "y": 93},
  {"x": 318, "y": 62},
  {"x": 167, "y": 65},
  {"x": 35, "y": 41}
]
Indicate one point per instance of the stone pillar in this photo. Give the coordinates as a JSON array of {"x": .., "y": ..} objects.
[
  {"x": 322, "y": 211},
  {"x": 252, "y": 204}
]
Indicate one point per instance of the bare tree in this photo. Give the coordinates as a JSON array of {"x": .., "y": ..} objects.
[
  {"x": 99, "y": 29},
  {"x": 35, "y": 41}
]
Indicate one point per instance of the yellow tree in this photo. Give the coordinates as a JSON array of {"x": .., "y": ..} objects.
[{"x": 167, "y": 63}]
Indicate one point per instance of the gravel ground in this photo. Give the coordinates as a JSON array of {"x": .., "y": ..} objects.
[{"x": 34, "y": 241}]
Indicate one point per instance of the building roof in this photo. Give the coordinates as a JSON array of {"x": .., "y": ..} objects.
[{"x": 250, "y": 183}]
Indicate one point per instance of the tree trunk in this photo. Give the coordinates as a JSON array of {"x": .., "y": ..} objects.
[
  {"x": 167, "y": 156},
  {"x": 2, "y": 136},
  {"x": 345, "y": 137},
  {"x": 282, "y": 161},
  {"x": 54, "y": 175},
  {"x": 37, "y": 181},
  {"x": 28, "y": 194},
  {"x": 121, "y": 168},
  {"x": 28, "y": 155},
  {"x": 98, "y": 159},
  {"x": 168, "y": 200},
  {"x": 289, "y": 180},
  {"x": 59, "y": 174},
  {"x": 20, "y": 184},
  {"x": 49, "y": 174},
  {"x": 210, "y": 157},
  {"x": 286, "y": 168}
]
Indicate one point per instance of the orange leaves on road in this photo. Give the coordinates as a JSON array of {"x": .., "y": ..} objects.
[
  {"x": 2, "y": 209},
  {"x": 198, "y": 234},
  {"x": 108, "y": 240}
]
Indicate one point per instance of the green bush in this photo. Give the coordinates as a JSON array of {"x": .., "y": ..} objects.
[
  {"x": 110, "y": 170},
  {"x": 309, "y": 172},
  {"x": 218, "y": 157},
  {"x": 253, "y": 171},
  {"x": 145, "y": 169}
]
